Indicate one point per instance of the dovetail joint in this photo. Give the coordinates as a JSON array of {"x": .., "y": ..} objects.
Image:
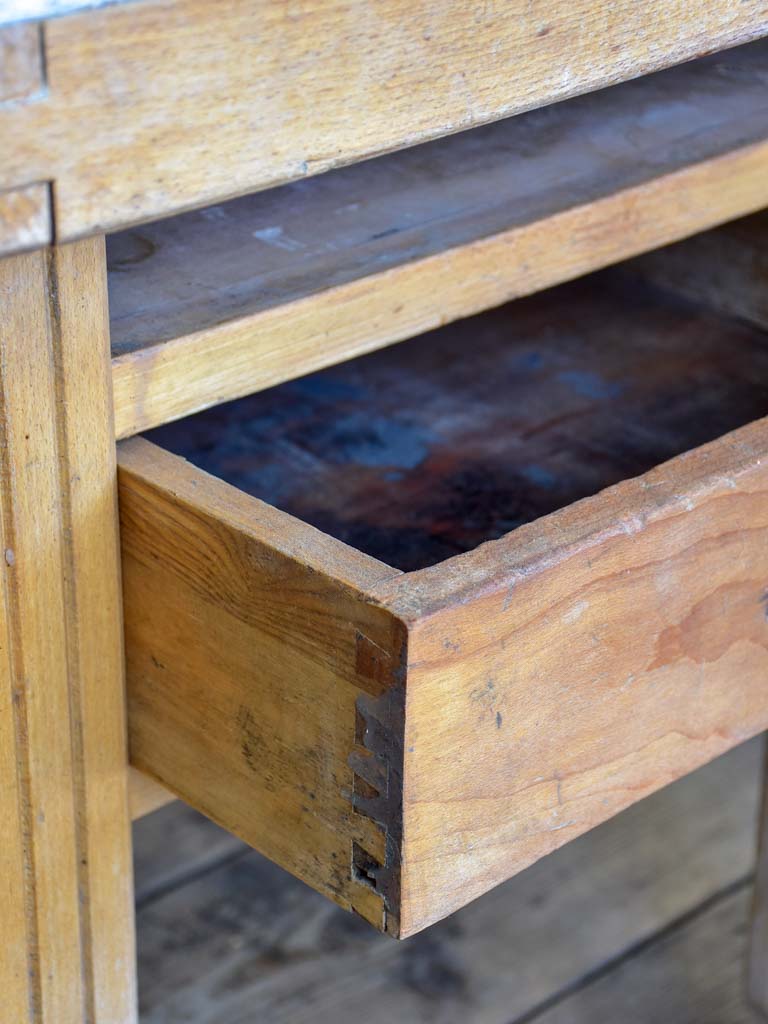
[{"x": 377, "y": 764}]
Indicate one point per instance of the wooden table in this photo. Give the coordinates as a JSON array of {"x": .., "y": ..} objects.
[{"x": 373, "y": 780}]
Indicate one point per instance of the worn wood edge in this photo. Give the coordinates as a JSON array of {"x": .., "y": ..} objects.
[
  {"x": 375, "y": 755},
  {"x": 624, "y": 508},
  {"x": 16, "y": 12},
  {"x": 145, "y": 462},
  {"x": 183, "y": 375}
]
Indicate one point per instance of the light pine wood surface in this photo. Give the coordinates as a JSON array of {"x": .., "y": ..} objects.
[
  {"x": 159, "y": 106},
  {"x": 66, "y": 880},
  {"x": 213, "y": 305}
]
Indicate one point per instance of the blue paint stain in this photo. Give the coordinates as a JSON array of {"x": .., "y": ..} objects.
[
  {"x": 540, "y": 476},
  {"x": 589, "y": 384},
  {"x": 375, "y": 441}
]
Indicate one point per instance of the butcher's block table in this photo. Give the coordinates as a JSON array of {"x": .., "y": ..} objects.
[{"x": 404, "y": 620}]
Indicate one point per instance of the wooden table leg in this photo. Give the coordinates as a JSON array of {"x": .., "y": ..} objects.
[{"x": 66, "y": 908}]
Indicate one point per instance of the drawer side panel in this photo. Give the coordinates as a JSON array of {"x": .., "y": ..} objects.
[{"x": 249, "y": 644}]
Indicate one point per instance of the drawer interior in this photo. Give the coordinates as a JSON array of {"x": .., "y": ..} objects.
[
  {"x": 418, "y": 452},
  {"x": 409, "y": 624}
]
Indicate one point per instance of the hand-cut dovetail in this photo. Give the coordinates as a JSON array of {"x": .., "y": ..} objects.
[
  {"x": 365, "y": 868},
  {"x": 377, "y": 764}
]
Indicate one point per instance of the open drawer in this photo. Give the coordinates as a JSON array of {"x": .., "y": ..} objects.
[{"x": 507, "y": 578}]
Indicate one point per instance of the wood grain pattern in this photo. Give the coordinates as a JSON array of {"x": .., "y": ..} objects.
[
  {"x": 66, "y": 843},
  {"x": 245, "y": 935},
  {"x": 253, "y": 720},
  {"x": 579, "y": 664},
  {"x": 193, "y": 104},
  {"x": 213, "y": 305},
  {"x": 552, "y": 676}
]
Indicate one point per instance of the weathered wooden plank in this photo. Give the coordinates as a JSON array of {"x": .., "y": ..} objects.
[
  {"x": 151, "y": 106},
  {"x": 25, "y": 208},
  {"x": 694, "y": 974},
  {"x": 213, "y": 305},
  {"x": 248, "y": 936},
  {"x": 248, "y": 642},
  {"x": 67, "y": 866}
]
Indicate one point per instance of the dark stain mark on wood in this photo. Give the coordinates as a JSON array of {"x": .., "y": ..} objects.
[
  {"x": 250, "y": 740},
  {"x": 498, "y": 719},
  {"x": 377, "y": 790}
]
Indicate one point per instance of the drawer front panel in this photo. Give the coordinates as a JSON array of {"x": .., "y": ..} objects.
[{"x": 560, "y": 674}]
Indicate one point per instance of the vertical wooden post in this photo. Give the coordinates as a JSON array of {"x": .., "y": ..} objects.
[
  {"x": 757, "y": 965},
  {"x": 65, "y": 861}
]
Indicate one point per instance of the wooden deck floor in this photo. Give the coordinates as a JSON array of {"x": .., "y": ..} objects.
[{"x": 642, "y": 920}]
